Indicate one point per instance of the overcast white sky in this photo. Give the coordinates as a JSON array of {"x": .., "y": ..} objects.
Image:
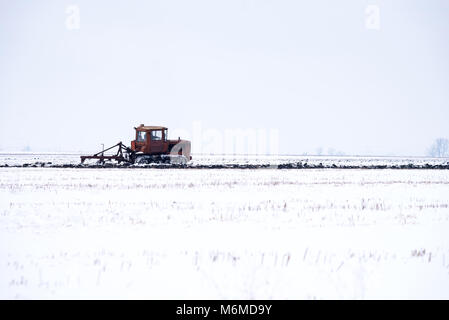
[{"x": 311, "y": 69}]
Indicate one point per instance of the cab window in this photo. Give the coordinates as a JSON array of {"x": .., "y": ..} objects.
[
  {"x": 141, "y": 136},
  {"x": 156, "y": 135}
]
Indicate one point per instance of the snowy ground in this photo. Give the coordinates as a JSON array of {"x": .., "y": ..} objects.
[{"x": 224, "y": 234}]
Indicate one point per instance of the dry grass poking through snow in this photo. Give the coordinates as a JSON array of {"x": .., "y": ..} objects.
[{"x": 224, "y": 233}]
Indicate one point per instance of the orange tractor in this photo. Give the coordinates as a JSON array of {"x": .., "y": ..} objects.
[{"x": 150, "y": 146}]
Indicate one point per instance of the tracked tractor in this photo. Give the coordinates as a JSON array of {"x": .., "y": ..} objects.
[{"x": 150, "y": 146}]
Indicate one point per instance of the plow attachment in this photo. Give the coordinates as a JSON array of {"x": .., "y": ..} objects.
[{"x": 122, "y": 155}]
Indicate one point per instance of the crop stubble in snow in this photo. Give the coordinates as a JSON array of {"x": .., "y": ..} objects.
[{"x": 230, "y": 234}]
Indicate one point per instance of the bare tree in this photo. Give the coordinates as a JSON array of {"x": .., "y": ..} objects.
[{"x": 439, "y": 148}]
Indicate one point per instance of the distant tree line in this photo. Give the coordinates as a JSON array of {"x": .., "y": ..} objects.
[{"x": 330, "y": 152}]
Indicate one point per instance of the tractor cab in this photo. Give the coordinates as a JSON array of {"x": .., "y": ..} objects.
[{"x": 150, "y": 140}]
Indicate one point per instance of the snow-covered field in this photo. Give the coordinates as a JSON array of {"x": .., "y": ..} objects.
[{"x": 224, "y": 234}]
